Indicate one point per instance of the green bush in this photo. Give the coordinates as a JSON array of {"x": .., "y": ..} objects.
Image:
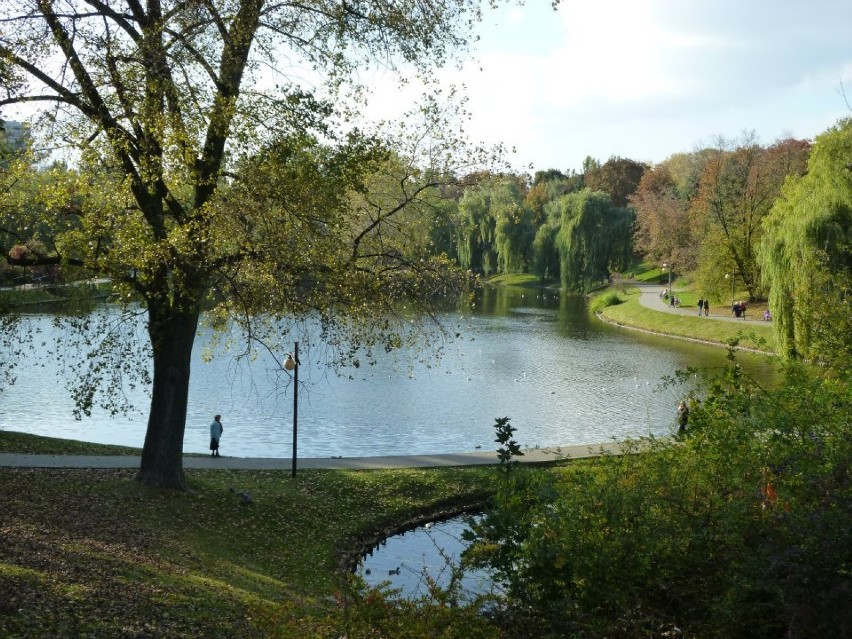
[
  {"x": 740, "y": 529},
  {"x": 603, "y": 301}
]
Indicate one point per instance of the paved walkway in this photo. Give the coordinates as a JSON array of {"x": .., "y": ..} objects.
[
  {"x": 531, "y": 456},
  {"x": 650, "y": 298}
]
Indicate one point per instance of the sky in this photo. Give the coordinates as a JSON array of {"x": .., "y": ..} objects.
[{"x": 644, "y": 79}]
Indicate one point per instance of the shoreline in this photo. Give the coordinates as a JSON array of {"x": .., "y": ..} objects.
[{"x": 684, "y": 338}]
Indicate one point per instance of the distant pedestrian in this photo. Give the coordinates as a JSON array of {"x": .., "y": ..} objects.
[
  {"x": 700, "y": 305},
  {"x": 682, "y": 417},
  {"x": 742, "y": 308},
  {"x": 706, "y": 308},
  {"x": 216, "y": 429}
]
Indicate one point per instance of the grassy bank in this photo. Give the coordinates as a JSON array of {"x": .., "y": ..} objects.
[
  {"x": 632, "y": 314},
  {"x": 520, "y": 279},
  {"x": 12, "y": 442},
  {"x": 90, "y": 553},
  {"x": 38, "y": 295}
]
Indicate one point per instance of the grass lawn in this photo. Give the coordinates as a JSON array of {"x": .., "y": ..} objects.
[
  {"x": 520, "y": 279},
  {"x": 647, "y": 273},
  {"x": 91, "y": 553}
]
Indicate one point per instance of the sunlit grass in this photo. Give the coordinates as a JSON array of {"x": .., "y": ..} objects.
[
  {"x": 758, "y": 336},
  {"x": 520, "y": 279},
  {"x": 646, "y": 273}
]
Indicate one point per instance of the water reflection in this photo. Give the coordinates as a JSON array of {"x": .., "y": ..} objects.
[{"x": 408, "y": 561}]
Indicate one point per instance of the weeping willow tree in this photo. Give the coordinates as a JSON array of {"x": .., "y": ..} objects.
[
  {"x": 477, "y": 230},
  {"x": 805, "y": 255},
  {"x": 594, "y": 236},
  {"x": 545, "y": 258},
  {"x": 513, "y": 231}
]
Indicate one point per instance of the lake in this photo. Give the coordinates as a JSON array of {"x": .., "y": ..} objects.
[{"x": 532, "y": 355}]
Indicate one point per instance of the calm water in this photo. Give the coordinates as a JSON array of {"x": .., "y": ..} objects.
[
  {"x": 404, "y": 561},
  {"x": 535, "y": 357}
]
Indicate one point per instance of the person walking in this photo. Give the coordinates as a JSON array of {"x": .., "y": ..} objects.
[
  {"x": 216, "y": 429},
  {"x": 706, "y": 308},
  {"x": 700, "y": 305}
]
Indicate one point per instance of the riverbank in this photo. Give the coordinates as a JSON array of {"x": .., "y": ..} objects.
[{"x": 31, "y": 295}]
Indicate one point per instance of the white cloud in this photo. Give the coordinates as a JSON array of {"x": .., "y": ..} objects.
[
  {"x": 648, "y": 79},
  {"x": 645, "y": 79}
]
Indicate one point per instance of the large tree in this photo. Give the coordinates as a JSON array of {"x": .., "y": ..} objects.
[
  {"x": 617, "y": 177},
  {"x": 176, "y": 110},
  {"x": 738, "y": 187},
  {"x": 514, "y": 230},
  {"x": 594, "y": 237},
  {"x": 663, "y": 230}
]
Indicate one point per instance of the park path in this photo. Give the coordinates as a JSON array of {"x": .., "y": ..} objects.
[
  {"x": 650, "y": 298},
  {"x": 478, "y": 458}
]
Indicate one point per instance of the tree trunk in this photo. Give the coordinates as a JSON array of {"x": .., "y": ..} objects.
[{"x": 172, "y": 335}]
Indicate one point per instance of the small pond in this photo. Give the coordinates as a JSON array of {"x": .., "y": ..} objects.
[{"x": 405, "y": 561}]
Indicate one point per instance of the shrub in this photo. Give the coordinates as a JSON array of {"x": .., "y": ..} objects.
[
  {"x": 741, "y": 529},
  {"x": 603, "y": 301}
]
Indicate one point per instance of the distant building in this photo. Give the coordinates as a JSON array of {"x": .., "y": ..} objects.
[{"x": 17, "y": 134}]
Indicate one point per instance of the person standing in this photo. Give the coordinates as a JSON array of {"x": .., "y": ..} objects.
[
  {"x": 700, "y": 305},
  {"x": 216, "y": 429},
  {"x": 706, "y": 308},
  {"x": 682, "y": 417}
]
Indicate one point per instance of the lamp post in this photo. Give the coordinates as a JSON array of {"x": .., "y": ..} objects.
[
  {"x": 732, "y": 275},
  {"x": 666, "y": 266},
  {"x": 292, "y": 364}
]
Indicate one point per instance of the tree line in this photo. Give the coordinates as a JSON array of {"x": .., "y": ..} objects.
[
  {"x": 701, "y": 211},
  {"x": 773, "y": 220}
]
